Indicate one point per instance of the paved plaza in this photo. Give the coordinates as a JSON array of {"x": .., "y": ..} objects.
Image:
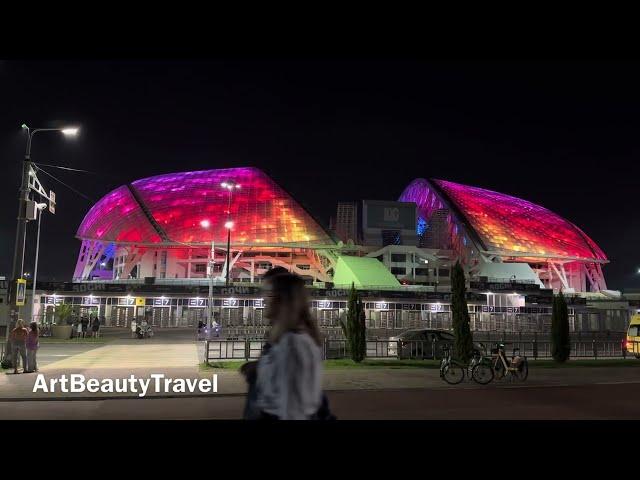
[{"x": 378, "y": 392}]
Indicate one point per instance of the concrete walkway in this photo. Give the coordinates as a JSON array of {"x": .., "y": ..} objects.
[
  {"x": 176, "y": 355},
  {"x": 128, "y": 354}
]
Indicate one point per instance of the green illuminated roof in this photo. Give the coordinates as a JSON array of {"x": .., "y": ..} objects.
[{"x": 363, "y": 272}]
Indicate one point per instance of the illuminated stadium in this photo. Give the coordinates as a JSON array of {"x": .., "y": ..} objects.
[
  {"x": 497, "y": 235},
  {"x": 169, "y": 226}
]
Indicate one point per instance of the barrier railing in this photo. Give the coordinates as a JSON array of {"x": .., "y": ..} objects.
[{"x": 249, "y": 349}]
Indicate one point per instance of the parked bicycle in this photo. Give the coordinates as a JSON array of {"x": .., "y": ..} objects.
[
  {"x": 45, "y": 330},
  {"x": 481, "y": 368},
  {"x": 515, "y": 368},
  {"x": 451, "y": 370}
]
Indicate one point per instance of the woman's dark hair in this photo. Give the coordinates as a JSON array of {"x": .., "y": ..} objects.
[
  {"x": 287, "y": 287},
  {"x": 34, "y": 327},
  {"x": 273, "y": 272}
]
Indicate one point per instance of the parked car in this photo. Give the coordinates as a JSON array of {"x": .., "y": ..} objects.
[
  {"x": 631, "y": 343},
  {"x": 423, "y": 344}
]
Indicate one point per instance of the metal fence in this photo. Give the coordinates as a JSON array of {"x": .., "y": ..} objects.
[
  {"x": 247, "y": 349},
  {"x": 232, "y": 349}
]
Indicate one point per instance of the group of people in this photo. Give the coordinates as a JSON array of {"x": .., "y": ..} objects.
[
  {"x": 285, "y": 383},
  {"x": 81, "y": 326},
  {"x": 24, "y": 346},
  {"x": 141, "y": 329}
]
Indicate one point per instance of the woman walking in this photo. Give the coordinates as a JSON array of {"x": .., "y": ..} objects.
[
  {"x": 32, "y": 348},
  {"x": 289, "y": 374}
]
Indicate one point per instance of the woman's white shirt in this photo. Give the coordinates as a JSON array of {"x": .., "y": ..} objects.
[{"x": 289, "y": 381}]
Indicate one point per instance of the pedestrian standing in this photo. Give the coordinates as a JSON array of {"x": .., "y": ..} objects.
[
  {"x": 95, "y": 326},
  {"x": 19, "y": 345},
  {"x": 85, "y": 326},
  {"x": 32, "y": 348}
]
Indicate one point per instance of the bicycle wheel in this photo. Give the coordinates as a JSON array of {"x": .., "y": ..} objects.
[
  {"x": 453, "y": 373},
  {"x": 522, "y": 372},
  {"x": 482, "y": 373}
]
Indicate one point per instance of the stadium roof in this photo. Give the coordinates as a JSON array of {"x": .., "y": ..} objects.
[
  {"x": 362, "y": 272},
  {"x": 503, "y": 224},
  {"x": 173, "y": 208}
]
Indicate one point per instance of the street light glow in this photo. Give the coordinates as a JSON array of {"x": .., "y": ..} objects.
[
  {"x": 228, "y": 225},
  {"x": 230, "y": 185},
  {"x": 71, "y": 131},
  {"x": 205, "y": 224}
]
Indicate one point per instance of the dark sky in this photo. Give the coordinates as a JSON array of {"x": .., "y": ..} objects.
[{"x": 565, "y": 135}]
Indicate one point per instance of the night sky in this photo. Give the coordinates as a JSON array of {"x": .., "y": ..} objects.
[{"x": 565, "y": 135}]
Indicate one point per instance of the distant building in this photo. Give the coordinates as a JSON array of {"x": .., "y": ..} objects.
[
  {"x": 436, "y": 232},
  {"x": 346, "y": 223}
]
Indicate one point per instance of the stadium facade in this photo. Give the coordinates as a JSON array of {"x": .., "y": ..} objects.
[
  {"x": 155, "y": 247},
  {"x": 491, "y": 232},
  {"x": 172, "y": 226}
]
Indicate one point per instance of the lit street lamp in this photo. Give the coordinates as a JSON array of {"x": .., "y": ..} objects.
[
  {"x": 206, "y": 224},
  {"x": 230, "y": 186},
  {"x": 21, "y": 229}
]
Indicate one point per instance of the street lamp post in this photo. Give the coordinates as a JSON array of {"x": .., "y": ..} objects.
[
  {"x": 228, "y": 225},
  {"x": 230, "y": 186},
  {"x": 39, "y": 209},
  {"x": 21, "y": 229},
  {"x": 206, "y": 224}
]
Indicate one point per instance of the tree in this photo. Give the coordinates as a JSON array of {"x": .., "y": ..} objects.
[
  {"x": 354, "y": 327},
  {"x": 460, "y": 315},
  {"x": 63, "y": 312},
  {"x": 560, "y": 342}
]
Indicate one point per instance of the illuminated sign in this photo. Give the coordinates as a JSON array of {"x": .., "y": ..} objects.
[
  {"x": 127, "y": 301},
  {"x": 324, "y": 304},
  {"x": 21, "y": 292},
  {"x": 230, "y": 302},
  {"x": 161, "y": 302},
  {"x": 197, "y": 302},
  {"x": 53, "y": 300},
  {"x": 381, "y": 305},
  {"x": 90, "y": 301}
]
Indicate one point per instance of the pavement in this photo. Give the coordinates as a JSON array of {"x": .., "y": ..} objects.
[
  {"x": 578, "y": 402},
  {"x": 355, "y": 393}
]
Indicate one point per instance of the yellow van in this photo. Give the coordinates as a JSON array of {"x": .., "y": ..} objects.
[{"x": 632, "y": 343}]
